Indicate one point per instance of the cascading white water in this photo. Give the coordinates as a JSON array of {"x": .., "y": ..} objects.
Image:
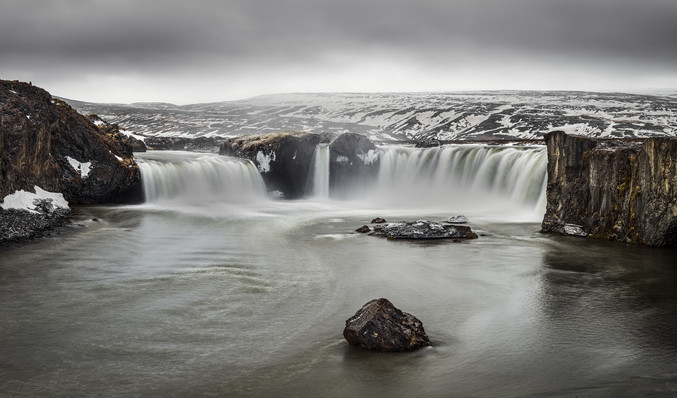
[
  {"x": 320, "y": 175},
  {"x": 463, "y": 177},
  {"x": 193, "y": 179}
]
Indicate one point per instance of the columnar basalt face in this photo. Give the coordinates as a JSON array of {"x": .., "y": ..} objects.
[{"x": 615, "y": 190}]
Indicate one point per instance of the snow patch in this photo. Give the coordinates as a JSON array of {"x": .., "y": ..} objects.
[
  {"x": 99, "y": 123},
  {"x": 29, "y": 201},
  {"x": 342, "y": 159},
  {"x": 369, "y": 158},
  {"x": 129, "y": 133},
  {"x": 264, "y": 160},
  {"x": 83, "y": 167}
]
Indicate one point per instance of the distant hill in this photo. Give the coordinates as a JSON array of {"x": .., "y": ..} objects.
[{"x": 406, "y": 116}]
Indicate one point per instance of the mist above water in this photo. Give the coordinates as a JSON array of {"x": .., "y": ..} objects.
[{"x": 498, "y": 182}]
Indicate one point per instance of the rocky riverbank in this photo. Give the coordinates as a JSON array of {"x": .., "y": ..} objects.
[{"x": 48, "y": 149}]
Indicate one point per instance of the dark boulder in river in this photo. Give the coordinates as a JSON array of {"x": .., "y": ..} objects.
[
  {"x": 612, "y": 189},
  {"x": 379, "y": 326},
  {"x": 45, "y": 143},
  {"x": 423, "y": 229},
  {"x": 363, "y": 229}
]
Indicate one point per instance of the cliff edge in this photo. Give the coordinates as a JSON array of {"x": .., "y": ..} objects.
[{"x": 612, "y": 189}]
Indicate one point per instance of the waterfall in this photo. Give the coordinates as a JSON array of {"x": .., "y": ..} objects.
[
  {"x": 463, "y": 177},
  {"x": 193, "y": 179},
  {"x": 320, "y": 172}
]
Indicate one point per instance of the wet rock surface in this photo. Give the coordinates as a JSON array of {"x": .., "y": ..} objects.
[
  {"x": 380, "y": 326},
  {"x": 423, "y": 229},
  {"x": 363, "y": 229},
  {"x": 458, "y": 219},
  {"x": 353, "y": 159},
  {"x": 21, "y": 226}
]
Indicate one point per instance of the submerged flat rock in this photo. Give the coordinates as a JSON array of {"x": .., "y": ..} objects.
[
  {"x": 380, "y": 326},
  {"x": 423, "y": 229}
]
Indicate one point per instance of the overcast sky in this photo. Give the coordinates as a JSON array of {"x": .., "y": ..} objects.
[{"x": 210, "y": 50}]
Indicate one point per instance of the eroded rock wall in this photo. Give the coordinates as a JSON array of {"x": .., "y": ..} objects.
[{"x": 611, "y": 189}]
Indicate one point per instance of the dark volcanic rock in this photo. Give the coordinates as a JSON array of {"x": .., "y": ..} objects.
[
  {"x": 40, "y": 139},
  {"x": 429, "y": 142},
  {"x": 379, "y": 326},
  {"x": 623, "y": 191},
  {"x": 353, "y": 159},
  {"x": 363, "y": 229},
  {"x": 199, "y": 144},
  {"x": 113, "y": 130},
  {"x": 284, "y": 158},
  {"x": 19, "y": 226},
  {"x": 422, "y": 229},
  {"x": 378, "y": 220}
]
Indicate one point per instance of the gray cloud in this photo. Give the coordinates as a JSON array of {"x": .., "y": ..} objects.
[{"x": 162, "y": 37}]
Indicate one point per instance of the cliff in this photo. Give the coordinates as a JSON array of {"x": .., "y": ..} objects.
[
  {"x": 611, "y": 189},
  {"x": 45, "y": 143}
]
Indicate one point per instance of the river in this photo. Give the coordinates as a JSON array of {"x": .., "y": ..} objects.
[{"x": 213, "y": 289}]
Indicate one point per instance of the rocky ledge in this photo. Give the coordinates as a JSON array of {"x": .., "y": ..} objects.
[
  {"x": 380, "y": 326},
  {"x": 285, "y": 159},
  {"x": 199, "y": 144},
  {"x": 617, "y": 190}
]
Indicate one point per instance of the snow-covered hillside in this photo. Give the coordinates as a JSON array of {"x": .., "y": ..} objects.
[{"x": 403, "y": 116}]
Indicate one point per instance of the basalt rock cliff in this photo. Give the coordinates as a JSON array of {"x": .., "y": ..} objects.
[
  {"x": 285, "y": 159},
  {"x": 44, "y": 142},
  {"x": 612, "y": 189}
]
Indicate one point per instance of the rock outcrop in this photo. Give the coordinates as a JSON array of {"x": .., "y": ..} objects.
[
  {"x": 423, "y": 229},
  {"x": 285, "y": 159},
  {"x": 353, "y": 159},
  {"x": 113, "y": 130},
  {"x": 45, "y": 143},
  {"x": 611, "y": 189},
  {"x": 199, "y": 144},
  {"x": 379, "y": 326}
]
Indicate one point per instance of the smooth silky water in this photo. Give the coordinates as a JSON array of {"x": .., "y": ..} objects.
[{"x": 217, "y": 290}]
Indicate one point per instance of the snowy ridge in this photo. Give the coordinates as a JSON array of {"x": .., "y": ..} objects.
[{"x": 403, "y": 116}]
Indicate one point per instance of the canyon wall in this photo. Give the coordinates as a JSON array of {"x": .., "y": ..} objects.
[{"x": 612, "y": 189}]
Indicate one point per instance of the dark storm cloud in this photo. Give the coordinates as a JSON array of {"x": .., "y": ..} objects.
[{"x": 166, "y": 35}]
